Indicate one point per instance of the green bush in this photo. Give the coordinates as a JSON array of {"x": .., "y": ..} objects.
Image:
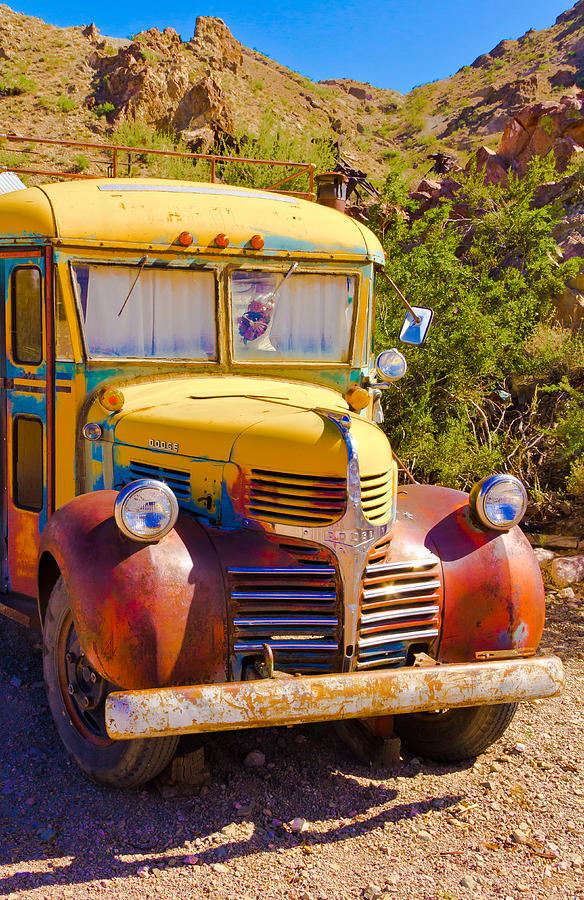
[
  {"x": 65, "y": 104},
  {"x": 489, "y": 281},
  {"x": 103, "y": 109}
]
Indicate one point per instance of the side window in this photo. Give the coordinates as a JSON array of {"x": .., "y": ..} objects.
[
  {"x": 28, "y": 463},
  {"x": 27, "y": 321}
]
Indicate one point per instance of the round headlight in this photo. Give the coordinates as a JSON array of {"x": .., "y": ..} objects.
[
  {"x": 498, "y": 502},
  {"x": 146, "y": 510},
  {"x": 391, "y": 365}
]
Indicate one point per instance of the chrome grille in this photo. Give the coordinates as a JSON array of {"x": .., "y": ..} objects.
[
  {"x": 298, "y": 499},
  {"x": 294, "y": 609},
  {"x": 400, "y": 606},
  {"x": 377, "y": 496},
  {"x": 180, "y": 482}
]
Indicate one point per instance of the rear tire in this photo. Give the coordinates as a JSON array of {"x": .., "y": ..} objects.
[
  {"x": 454, "y": 734},
  {"x": 76, "y": 695}
]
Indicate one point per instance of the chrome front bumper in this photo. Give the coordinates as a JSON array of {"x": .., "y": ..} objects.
[{"x": 320, "y": 698}]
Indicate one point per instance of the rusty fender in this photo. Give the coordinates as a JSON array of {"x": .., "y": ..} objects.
[
  {"x": 147, "y": 614},
  {"x": 320, "y": 698},
  {"x": 493, "y": 590}
]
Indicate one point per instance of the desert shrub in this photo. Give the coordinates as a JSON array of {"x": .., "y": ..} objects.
[
  {"x": 102, "y": 109},
  {"x": 498, "y": 385},
  {"x": 275, "y": 142},
  {"x": 65, "y": 104}
]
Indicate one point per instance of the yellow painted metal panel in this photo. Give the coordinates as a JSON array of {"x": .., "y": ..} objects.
[{"x": 151, "y": 211}]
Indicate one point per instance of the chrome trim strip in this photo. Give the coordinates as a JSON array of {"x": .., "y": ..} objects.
[
  {"x": 316, "y": 644},
  {"x": 187, "y": 189},
  {"x": 389, "y": 590},
  {"x": 379, "y": 661},
  {"x": 256, "y": 622},
  {"x": 292, "y": 570},
  {"x": 412, "y": 565},
  {"x": 282, "y": 595},
  {"x": 393, "y": 637},
  {"x": 384, "y": 615}
]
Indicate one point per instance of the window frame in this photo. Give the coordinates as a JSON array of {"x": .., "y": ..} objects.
[
  {"x": 281, "y": 269},
  {"x": 135, "y": 265},
  {"x": 15, "y": 494},
  {"x": 13, "y": 332}
]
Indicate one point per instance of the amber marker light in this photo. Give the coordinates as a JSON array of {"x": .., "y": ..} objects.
[
  {"x": 185, "y": 238},
  {"x": 257, "y": 242},
  {"x": 357, "y": 398},
  {"x": 222, "y": 241},
  {"x": 111, "y": 399}
]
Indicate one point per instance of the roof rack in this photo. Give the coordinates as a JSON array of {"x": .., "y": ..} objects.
[{"x": 118, "y": 160}]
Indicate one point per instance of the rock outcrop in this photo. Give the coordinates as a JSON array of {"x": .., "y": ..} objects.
[{"x": 151, "y": 80}]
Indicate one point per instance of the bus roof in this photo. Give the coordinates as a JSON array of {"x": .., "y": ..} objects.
[{"x": 153, "y": 212}]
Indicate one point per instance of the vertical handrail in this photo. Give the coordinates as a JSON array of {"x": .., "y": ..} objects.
[
  {"x": 213, "y": 160},
  {"x": 115, "y": 163}
]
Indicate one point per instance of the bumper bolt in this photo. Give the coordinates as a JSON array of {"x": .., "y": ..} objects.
[
  {"x": 71, "y": 689},
  {"x": 93, "y": 677}
]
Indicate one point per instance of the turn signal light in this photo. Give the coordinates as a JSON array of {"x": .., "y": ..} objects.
[
  {"x": 185, "y": 238},
  {"x": 111, "y": 399},
  {"x": 357, "y": 398},
  {"x": 222, "y": 241},
  {"x": 257, "y": 242}
]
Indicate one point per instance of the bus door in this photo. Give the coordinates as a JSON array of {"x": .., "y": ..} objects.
[{"x": 26, "y": 411}]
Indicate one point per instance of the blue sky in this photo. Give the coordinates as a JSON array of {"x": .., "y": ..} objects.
[{"x": 390, "y": 43}]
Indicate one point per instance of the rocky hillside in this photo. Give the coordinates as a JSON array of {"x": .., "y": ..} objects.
[{"x": 76, "y": 83}]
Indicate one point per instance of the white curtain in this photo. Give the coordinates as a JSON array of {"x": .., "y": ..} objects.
[
  {"x": 169, "y": 314},
  {"x": 311, "y": 316}
]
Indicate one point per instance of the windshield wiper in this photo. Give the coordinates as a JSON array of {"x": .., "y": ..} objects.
[
  {"x": 143, "y": 262},
  {"x": 270, "y": 297}
]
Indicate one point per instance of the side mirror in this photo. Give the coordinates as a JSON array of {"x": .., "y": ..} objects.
[{"x": 413, "y": 332}]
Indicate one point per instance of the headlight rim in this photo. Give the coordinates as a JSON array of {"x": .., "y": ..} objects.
[
  {"x": 132, "y": 488},
  {"x": 478, "y": 497},
  {"x": 388, "y": 379}
]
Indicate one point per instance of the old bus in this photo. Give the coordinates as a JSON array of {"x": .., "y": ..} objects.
[{"x": 197, "y": 505}]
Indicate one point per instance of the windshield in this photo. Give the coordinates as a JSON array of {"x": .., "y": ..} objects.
[
  {"x": 297, "y": 317},
  {"x": 169, "y": 313}
]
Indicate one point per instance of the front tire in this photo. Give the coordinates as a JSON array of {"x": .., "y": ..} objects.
[
  {"x": 76, "y": 695},
  {"x": 454, "y": 734}
]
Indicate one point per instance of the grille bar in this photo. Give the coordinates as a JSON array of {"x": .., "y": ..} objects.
[
  {"x": 294, "y": 609},
  {"x": 180, "y": 482},
  {"x": 284, "y": 570},
  {"x": 291, "y": 497},
  {"x": 400, "y": 606},
  {"x": 282, "y": 595}
]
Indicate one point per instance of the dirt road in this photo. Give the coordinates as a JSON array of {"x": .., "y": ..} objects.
[{"x": 506, "y": 826}]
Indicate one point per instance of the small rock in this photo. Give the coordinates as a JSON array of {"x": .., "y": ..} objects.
[
  {"x": 544, "y": 557},
  {"x": 299, "y": 825},
  {"x": 519, "y": 836},
  {"x": 496, "y": 767},
  {"x": 577, "y": 859},
  {"x": 394, "y": 878},
  {"x": 469, "y": 882},
  {"x": 191, "y": 860},
  {"x": 567, "y": 593},
  {"x": 220, "y": 868},
  {"x": 254, "y": 759},
  {"x": 15, "y": 682},
  {"x": 567, "y": 570},
  {"x": 143, "y": 872},
  {"x": 520, "y": 748},
  {"x": 425, "y": 836},
  {"x": 522, "y": 887},
  {"x": 372, "y": 892}
]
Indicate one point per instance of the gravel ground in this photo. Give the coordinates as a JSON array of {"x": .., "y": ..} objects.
[{"x": 506, "y": 826}]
